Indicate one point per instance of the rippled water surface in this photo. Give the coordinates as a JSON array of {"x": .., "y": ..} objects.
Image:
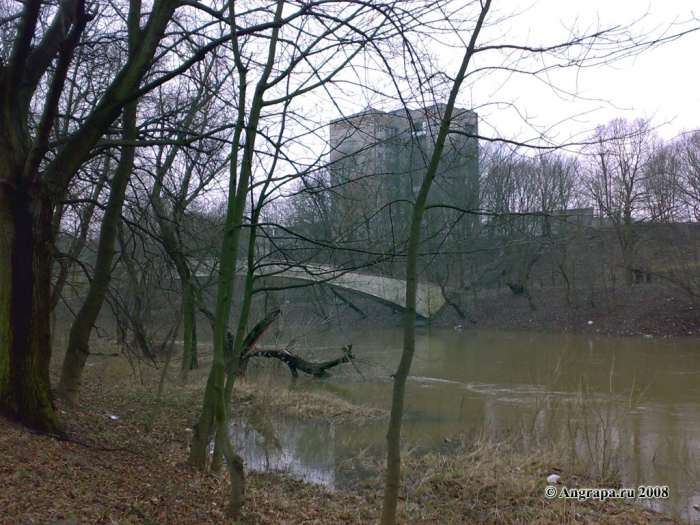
[{"x": 639, "y": 396}]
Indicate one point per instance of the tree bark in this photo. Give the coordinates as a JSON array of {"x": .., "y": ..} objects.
[{"x": 25, "y": 302}]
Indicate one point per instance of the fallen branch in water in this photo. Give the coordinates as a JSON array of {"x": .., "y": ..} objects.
[
  {"x": 295, "y": 362},
  {"x": 252, "y": 339}
]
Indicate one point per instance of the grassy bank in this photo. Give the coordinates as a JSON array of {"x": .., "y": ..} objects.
[{"x": 113, "y": 472}]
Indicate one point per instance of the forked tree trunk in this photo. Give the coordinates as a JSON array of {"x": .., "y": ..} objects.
[
  {"x": 215, "y": 398},
  {"x": 239, "y": 181},
  {"x": 30, "y": 186}
]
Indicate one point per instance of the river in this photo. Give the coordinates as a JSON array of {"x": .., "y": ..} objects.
[{"x": 628, "y": 404}]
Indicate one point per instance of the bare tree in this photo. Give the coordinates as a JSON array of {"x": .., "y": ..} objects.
[
  {"x": 31, "y": 184},
  {"x": 393, "y": 475},
  {"x": 686, "y": 152},
  {"x": 673, "y": 199},
  {"x": 619, "y": 157},
  {"x": 298, "y": 59},
  {"x": 572, "y": 52},
  {"x": 78, "y": 351}
]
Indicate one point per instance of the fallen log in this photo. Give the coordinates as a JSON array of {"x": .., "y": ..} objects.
[
  {"x": 293, "y": 361},
  {"x": 252, "y": 339},
  {"x": 296, "y": 363}
]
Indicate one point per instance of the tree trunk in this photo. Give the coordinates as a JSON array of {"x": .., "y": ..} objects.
[
  {"x": 239, "y": 186},
  {"x": 78, "y": 340},
  {"x": 393, "y": 437},
  {"x": 204, "y": 427},
  {"x": 189, "y": 312},
  {"x": 233, "y": 461},
  {"x": 175, "y": 251},
  {"x": 78, "y": 348},
  {"x": 25, "y": 302},
  {"x": 237, "y": 352},
  {"x": 26, "y": 243},
  {"x": 235, "y": 348},
  {"x": 30, "y": 186}
]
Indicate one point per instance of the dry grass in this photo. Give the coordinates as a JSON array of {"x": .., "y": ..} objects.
[
  {"x": 267, "y": 396},
  {"x": 144, "y": 478},
  {"x": 485, "y": 482}
]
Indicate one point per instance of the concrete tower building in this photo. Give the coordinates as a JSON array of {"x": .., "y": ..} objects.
[{"x": 377, "y": 163}]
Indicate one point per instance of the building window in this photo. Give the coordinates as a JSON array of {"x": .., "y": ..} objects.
[{"x": 420, "y": 128}]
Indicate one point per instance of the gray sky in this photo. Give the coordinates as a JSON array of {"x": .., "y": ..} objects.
[{"x": 662, "y": 84}]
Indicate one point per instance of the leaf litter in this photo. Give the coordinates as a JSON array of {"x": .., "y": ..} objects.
[{"x": 112, "y": 472}]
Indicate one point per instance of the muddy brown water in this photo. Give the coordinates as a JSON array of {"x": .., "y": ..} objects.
[{"x": 627, "y": 404}]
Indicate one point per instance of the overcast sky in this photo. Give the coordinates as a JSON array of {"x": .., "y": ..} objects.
[{"x": 662, "y": 83}]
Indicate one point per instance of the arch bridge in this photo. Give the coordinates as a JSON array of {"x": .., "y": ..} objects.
[{"x": 385, "y": 290}]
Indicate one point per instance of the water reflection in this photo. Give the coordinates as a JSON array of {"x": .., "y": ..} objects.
[
  {"x": 317, "y": 452},
  {"x": 640, "y": 397}
]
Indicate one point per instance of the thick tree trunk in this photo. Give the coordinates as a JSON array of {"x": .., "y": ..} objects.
[
  {"x": 30, "y": 186},
  {"x": 25, "y": 302},
  {"x": 26, "y": 244}
]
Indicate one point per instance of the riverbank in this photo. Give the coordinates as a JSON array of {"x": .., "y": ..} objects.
[
  {"x": 112, "y": 471},
  {"x": 656, "y": 310}
]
